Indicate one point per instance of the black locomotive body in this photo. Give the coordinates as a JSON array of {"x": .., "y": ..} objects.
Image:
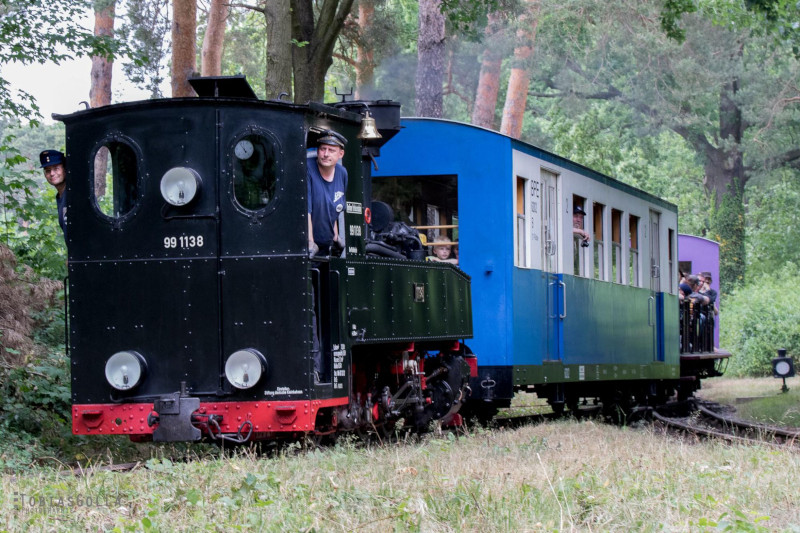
[{"x": 193, "y": 303}]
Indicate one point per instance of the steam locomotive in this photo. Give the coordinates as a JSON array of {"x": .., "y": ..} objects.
[{"x": 194, "y": 304}]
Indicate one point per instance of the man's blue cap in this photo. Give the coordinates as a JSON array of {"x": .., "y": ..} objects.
[
  {"x": 332, "y": 138},
  {"x": 48, "y": 158}
]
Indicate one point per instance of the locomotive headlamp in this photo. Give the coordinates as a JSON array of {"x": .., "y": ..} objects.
[
  {"x": 125, "y": 370},
  {"x": 180, "y": 185},
  {"x": 244, "y": 368}
]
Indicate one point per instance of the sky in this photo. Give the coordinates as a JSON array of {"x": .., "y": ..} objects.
[{"x": 61, "y": 88}]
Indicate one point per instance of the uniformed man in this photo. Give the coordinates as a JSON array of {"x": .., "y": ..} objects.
[
  {"x": 327, "y": 182},
  {"x": 56, "y": 175}
]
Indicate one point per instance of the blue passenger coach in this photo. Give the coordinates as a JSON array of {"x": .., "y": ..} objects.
[{"x": 567, "y": 321}]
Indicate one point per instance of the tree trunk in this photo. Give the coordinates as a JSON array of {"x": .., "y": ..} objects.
[
  {"x": 184, "y": 46},
  {"x": 517, "y": 93},
  {"x": 279, "y": 48},
  {"x": 365, "y": 59},
  {"x": 100, "y": 91},
  {"x": 489, "y": 78},
  {"x": 725, "y": 179},
  {"x": 313, "y": 43},
  {"x": 430, "y": 60},
  {"x": 727, "y": 227},
  {"x": 211, "y": 56}
]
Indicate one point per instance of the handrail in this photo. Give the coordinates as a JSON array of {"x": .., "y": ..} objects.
[
  {"x": 696, "y": 327},
  {"x": 442, "y": 226}
]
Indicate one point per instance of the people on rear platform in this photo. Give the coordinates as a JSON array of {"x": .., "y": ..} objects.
[
  {"x": 702, "y": 314},
  {"x": 696, "y": 296},
  {"x": 442, "y": 251},
  {"x": 684, "y": 289},
  {"x": 705, "y": 287}
]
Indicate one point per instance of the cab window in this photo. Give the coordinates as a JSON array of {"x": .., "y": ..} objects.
[
  {"x": 116, "y": 178},
  {"x": 255, "y": 170}
]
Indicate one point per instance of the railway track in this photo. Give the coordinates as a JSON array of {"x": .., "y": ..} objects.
[{"x": 707, "y": 421}]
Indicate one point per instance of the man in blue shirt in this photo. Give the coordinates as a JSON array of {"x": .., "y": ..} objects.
[
  {"x": 54, "y": 172},
  {"x": 327, "y": 182}
]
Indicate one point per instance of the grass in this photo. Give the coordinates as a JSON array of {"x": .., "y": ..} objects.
[
  {"x": 757, "y": 399},
  {"x": 564, "y": 476},
  {"x": 552, "y": 477}
]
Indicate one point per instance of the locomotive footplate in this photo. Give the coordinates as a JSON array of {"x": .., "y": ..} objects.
[{"x": 175, "y": 419}]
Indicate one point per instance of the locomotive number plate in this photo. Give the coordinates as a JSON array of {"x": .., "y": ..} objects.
[
  {"x": 184, "y": 241},
  {"x": 419, "y": 292}
]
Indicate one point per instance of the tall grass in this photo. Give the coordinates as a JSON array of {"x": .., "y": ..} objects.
[{"x": 554, "y": 477}]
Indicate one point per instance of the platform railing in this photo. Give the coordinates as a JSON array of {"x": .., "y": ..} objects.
[{"x": 696, "y": 327}]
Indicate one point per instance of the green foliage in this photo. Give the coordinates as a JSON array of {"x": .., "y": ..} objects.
[
  {"x": 35, "y": 401},
  {"x": 144, "y": 29},
  {"x": 759, "y": 318},
  {"x": 42, "y": 31},
  {"x": 28, "y": 223},
  {"x": 775, "y": 18},
  {"x": 671, "y": 15},
  {"x": 728, "y": 229},
  {"x": 468, "y": 17},
  {"x": 773, "y": 234},
  {"x": 606, "y": 136},
  {"x": 28, "y": 218},
  {"x": 245, "y": 48},
  {"x": 728, "y": 63},
  {"x": 392, "y": 39}
]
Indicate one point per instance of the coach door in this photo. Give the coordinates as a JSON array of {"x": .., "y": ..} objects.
[
  {"x": 550, "y": 250},
  {"x": 655, "y": 317}
]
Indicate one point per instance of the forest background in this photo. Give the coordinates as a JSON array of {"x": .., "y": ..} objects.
[{"x": 695, "y": 101}]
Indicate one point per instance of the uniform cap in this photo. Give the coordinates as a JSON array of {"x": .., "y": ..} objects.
[
  {"x": 48, "y": 158},
  {"x": 333, "y": 139}
]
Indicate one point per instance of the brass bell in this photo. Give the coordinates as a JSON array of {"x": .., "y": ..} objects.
[{"x": 368, "y": 128}]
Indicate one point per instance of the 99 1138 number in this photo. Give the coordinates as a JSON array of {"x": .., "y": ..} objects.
[{"x": 184, "y": 241}]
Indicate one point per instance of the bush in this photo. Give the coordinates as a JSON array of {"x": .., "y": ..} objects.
[{"x": 759, "y": 318}]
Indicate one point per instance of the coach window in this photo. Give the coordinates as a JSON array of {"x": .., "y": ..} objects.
[
  {"x": 116, "y": 178},
  {"x": 255, "y": 169},
  {"x": 598, "y": 210},
  {"x": 521, "y": 221},
  {"x": 578, "y": 243},
  {"x": 633, "y": 225},
  {"x": 617, "y": 264}
]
